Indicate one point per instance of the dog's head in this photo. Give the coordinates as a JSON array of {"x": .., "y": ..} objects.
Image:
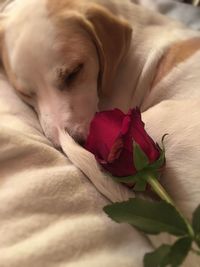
[{"x": 61, "y": 57}]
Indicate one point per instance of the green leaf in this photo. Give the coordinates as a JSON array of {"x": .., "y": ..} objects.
[
  {"x": 149, "y": 217},
  {"x": 196, "y": 225},
  {"x": 127, "y": 179},
  {"x": 156, "y": 258},
  {"x": 196, "y": 220},
  {"x": 166, "y": 255},
  {"x": 137, "y": 181},
  {"x": 159, "y": 162},
  {"x": 178, "y": 252},
  {"x": 140, "y": 159},
  {"x": 163, "y": 139},
  {"x": 138, "y": 176},
  {"x": 140, "y": 185}
]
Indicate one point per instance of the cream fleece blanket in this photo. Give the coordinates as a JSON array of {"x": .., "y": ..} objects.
[{"x": 50, "y": 213}]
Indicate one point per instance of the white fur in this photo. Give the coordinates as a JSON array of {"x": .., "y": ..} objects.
[
  {"x": 35, "y": 55},
  {"x": 180, "y": 84}
]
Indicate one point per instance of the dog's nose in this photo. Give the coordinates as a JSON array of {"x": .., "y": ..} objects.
[
  {"x": 78, "y": 137},
  {"x": 80, "y": 141}
]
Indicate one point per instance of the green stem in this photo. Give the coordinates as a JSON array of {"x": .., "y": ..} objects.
[
  {"x": 162, "y": 193},
  {"x": 159, "y": 190}
]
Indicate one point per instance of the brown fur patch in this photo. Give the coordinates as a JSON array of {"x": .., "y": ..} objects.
[
  {"x": 110, "y": 34},
  {"x": 56, "y": 7},
  {"x": 176, "y": 54}
]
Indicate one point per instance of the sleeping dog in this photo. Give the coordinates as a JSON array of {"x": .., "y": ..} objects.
[{"x": 68, "y": 59}]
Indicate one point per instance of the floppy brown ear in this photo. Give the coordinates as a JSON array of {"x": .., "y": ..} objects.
[
  {"x": 112, "y": 37},
  {"x": 2, "y": 35}
]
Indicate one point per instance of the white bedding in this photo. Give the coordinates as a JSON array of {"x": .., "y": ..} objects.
[{"x": 50, "y": 214}]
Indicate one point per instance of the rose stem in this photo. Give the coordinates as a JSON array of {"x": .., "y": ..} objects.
[{"x": 162, "y": 193}]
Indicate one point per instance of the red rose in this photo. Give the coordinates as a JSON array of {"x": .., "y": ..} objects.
[{"x": 111, "y": 138}]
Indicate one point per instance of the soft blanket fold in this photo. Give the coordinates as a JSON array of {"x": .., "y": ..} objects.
[{"x": 50, "y": 213}]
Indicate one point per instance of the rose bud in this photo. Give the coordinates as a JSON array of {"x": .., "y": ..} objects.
[{"x": 111, "y": 138}]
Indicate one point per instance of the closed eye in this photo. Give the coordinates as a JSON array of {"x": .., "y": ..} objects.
[
  {"x": 24, "y": 95},
  {"x": 73, "y": 75},
  {"x": 66, "y": 78}
]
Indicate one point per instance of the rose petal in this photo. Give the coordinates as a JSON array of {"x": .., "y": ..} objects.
[
  {"x": 111, "y": 140},
  {"x": 141, "y": 137},
  {"x": 115, "y": 150},
  {"x": 104, "y": 130}
]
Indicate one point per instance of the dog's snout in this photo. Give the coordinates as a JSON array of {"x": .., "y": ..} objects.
[
  {"x": 80, "y": 140},
  {"x": 79, "y": 137}
]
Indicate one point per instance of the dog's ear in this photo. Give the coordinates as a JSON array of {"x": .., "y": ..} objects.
[
  {"x": 112, "y": 37},
  {"x": 2, "y": 18}
]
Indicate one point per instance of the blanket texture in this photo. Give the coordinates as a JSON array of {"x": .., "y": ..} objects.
[{"x": 50, "y": 213}]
